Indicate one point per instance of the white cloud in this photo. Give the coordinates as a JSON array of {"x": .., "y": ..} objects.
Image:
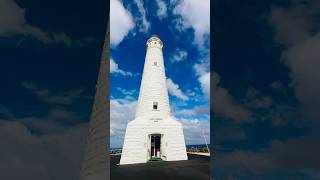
[
  {"x": 201, "y": 68},
  {"x": 203, "y": 73},
  {"x": 175, "y": 90},
  {"x": 190, "y": 92},
  {"x": 297, "y": 29},
  {"x": 162, "y": 11},
  {"x": 179, "y": 55},
  {"x": 53, "y": 97},
  {"x": 114, "y": 69},
  {"x": 51, "y": 155},
  {"x": 144, "y": 24},
  {"x": 126, "y": 92},
  {"x": 196, "y": 131},
  {"x": 225, "y": 105},
  {"x": 121, "y": 22},
  {"x": 122, "y": 111},
  {"x": 205, "y": 84},
  {"x": 196, "y": 111},
  {"x": 13, "y": 22},
  {"x": 281, "y": 155},
  {"x": 113, "y": 66},
  {"x": 5, "y": 111},
  {"x": 194, "y": 14}
]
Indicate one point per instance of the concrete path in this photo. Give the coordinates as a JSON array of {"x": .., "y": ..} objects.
[{"x": 197, "y": 167}]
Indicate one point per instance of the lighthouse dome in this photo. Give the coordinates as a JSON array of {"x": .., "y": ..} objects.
[{"x": 154, "y": 41}]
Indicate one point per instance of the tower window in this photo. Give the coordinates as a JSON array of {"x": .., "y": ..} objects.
[{"x": 155, "y": 105}]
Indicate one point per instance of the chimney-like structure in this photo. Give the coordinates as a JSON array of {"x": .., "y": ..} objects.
[
  {"x": 96, "y": 159},
  {"x": 154, "y": 134}
]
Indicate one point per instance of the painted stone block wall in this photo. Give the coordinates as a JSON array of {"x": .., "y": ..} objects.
[{"x": 150, "y": 121}]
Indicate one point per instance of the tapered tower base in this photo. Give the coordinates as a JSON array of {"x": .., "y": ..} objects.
[{"x": 148, "y": 139}]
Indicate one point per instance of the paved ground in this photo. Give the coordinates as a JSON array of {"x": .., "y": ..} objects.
[{"x": 197, "y": 167}]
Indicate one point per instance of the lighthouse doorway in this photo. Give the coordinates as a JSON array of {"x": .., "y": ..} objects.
[{"x": 155, "y": 148}]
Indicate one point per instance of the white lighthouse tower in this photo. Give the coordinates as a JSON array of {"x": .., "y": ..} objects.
[{"x": 154, "y": 133}]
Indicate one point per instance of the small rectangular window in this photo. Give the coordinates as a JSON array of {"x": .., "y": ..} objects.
[{"x": 155, "y": 105}]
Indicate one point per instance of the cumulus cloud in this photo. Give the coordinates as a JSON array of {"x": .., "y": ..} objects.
[
  {"x": 122, "y": 111},
  {"x": 53, "y": 97},
  {"x": 62, "y": 114},
  {"x": 114, "y": 69},
  {"x": 201, "y": 68},
  {"x": 255, "y": 100},
  {"x": 225, "y": 105},
  {"x": 5, "y": 111},
  {"x": 179, "y": 55},
  {"x": 196, "y": 131},
  {"x": 53, "y": 152},
  {"x": 13, "y": 22},
  {"x": 205, "y": 84},
  {"x": 144, "y": 24},
  {"x": 297, "y": 29},
  {"x": 274, "y": 110},
  {"x": 203, "y": 74},
  {"x": 195, "y": 111},
  {"x": 278, "y": 86},
  {"x": 293, "y": 155},
  {"x": 50, "y": 156},
  {"x": 126, "y": 91},
  {"x": 196, "y": 15},
  {"x": 121, "y": 22},
  {"x": 162, "y": 9},
  {"x": 191, "y": 92},
  {"x": 174, "y": 90}
]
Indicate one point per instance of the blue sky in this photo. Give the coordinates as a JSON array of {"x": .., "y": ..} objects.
[
  {"x": 265, "y": 88},
  {"x": 186, "y": 39},
  {"x": 49, "y": 60}
]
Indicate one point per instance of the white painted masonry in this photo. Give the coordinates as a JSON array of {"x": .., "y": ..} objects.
[{"x": 153, "y": 115}]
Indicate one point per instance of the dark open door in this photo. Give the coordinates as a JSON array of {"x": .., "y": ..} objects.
[{"x": 155, "y": 145}]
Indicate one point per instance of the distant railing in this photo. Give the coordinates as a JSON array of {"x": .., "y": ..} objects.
[
  {"x": 190, "y": 148},
  {"x": 198, "y": 148},
  {"x": 115, "y": 151}
]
